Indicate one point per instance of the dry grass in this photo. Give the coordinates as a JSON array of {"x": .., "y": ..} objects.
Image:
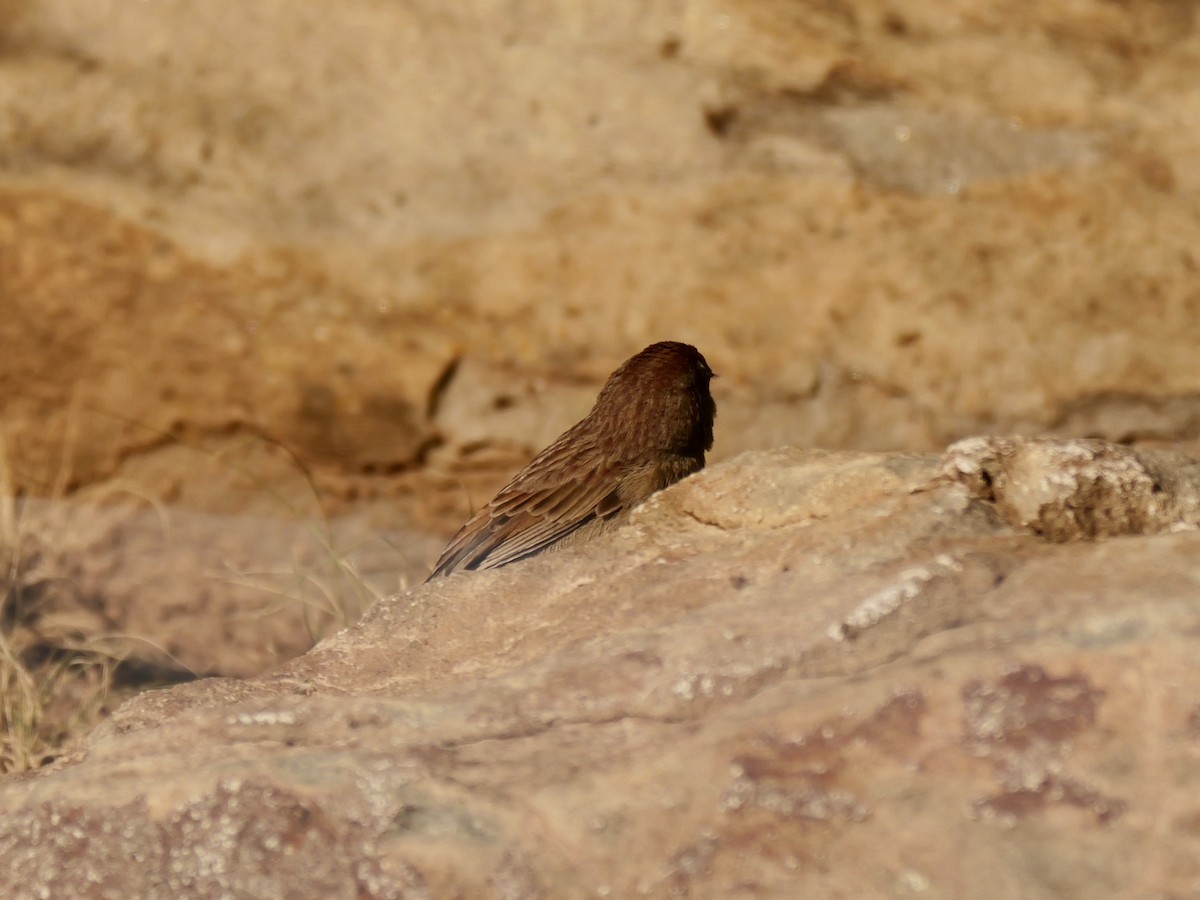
[
  {"x": 58, "y": 666},
  {"x": 48, "y": 700},
  {"x": 329, "y": 589},
  {"x": 63, "y": 664}
]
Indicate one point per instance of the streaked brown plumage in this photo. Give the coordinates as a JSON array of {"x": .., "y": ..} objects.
[{"x": 650, "y": 427}]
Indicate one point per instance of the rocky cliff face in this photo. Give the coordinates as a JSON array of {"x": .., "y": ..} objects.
[{"x": 399, "y": 228}]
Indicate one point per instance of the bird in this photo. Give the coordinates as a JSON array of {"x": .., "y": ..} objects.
[{"x": 650, "y": 426}]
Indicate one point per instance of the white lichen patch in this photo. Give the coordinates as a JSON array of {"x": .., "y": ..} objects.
[
  {"x": 267, "y": 717},
  {"x": 886, "y": 601}
]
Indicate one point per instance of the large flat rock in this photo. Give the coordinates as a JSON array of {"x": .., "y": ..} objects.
[{"x": 795, "y": 674}]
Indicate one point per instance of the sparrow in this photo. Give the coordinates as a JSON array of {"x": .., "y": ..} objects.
[{"x": 650, "y": 426}]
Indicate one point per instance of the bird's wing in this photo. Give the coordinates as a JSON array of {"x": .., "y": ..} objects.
[{"x": 537, "y": 509}]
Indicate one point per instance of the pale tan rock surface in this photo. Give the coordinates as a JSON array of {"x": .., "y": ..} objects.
[{"x": 796, "y": 674}]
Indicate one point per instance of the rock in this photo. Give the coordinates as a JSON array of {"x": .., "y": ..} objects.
[
  {"x": 1080, "y": 489},
  {"x": 796, "y": 674}
]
